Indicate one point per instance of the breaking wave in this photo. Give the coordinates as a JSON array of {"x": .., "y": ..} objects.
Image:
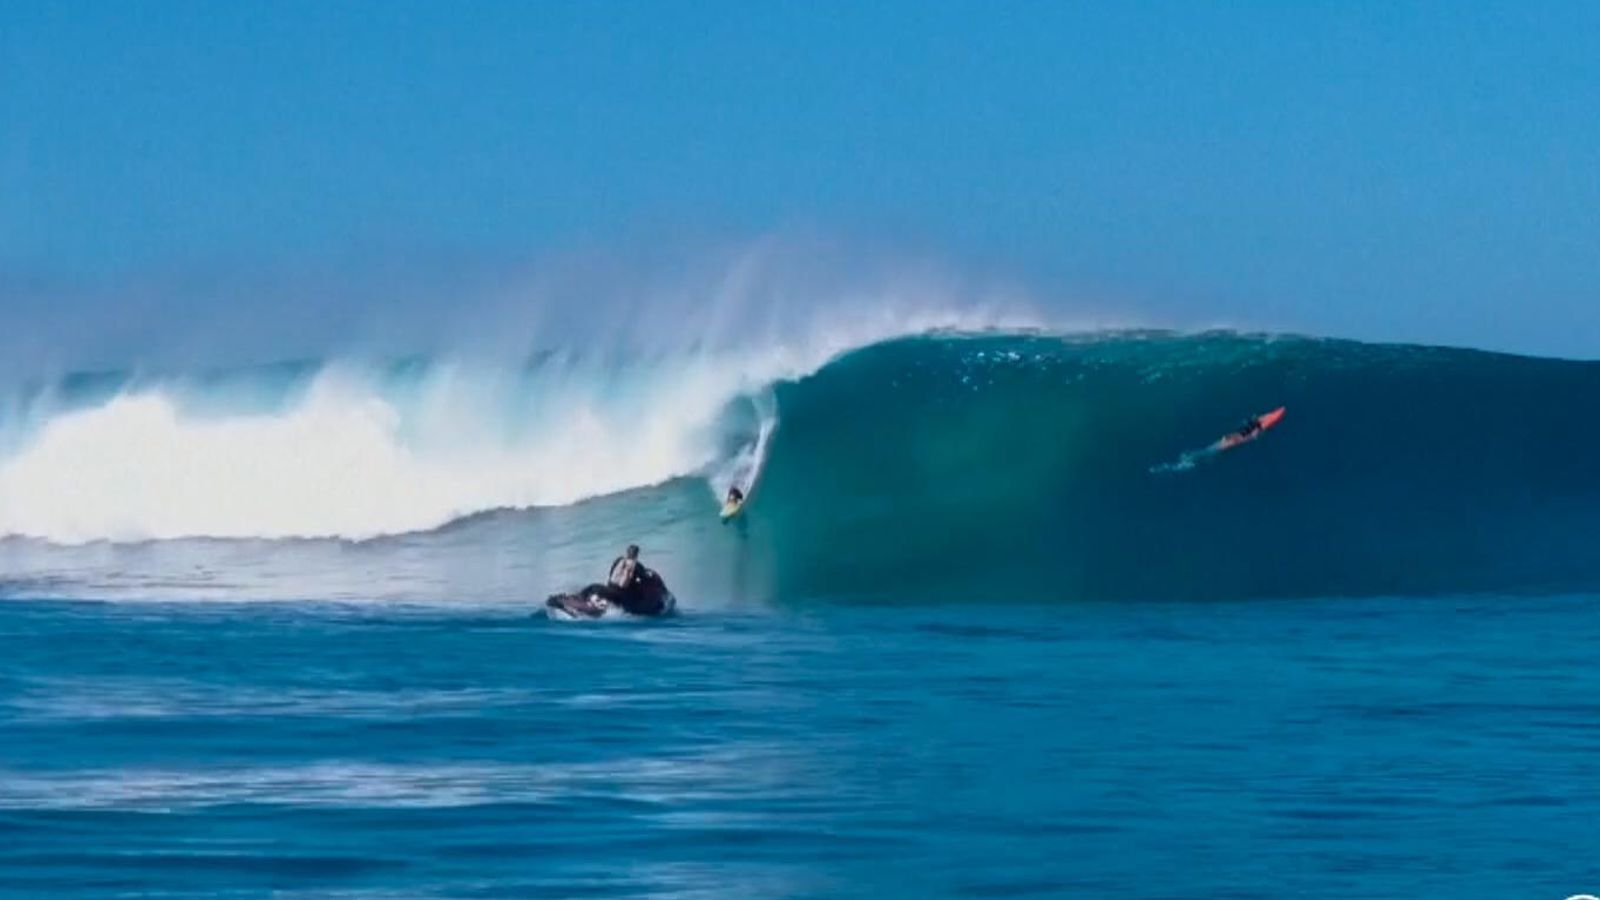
[{"x": 994, "y": 464}]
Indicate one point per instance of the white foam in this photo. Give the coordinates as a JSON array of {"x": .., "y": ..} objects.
[
  {"x": 354, "y": 458},
  {"x": 347, "y": 783},
  {"x": 744, "y": 467}
]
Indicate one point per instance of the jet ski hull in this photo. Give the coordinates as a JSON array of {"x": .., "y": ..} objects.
[{"x": 577, "y": 607}]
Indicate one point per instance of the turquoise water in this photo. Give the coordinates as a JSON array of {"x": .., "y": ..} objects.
[
  {"x": 268, "y": 631},
  {"x": 1383, "y": 747}
]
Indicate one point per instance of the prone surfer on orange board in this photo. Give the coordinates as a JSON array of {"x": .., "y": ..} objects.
[{"x": 1253, "y": 428}]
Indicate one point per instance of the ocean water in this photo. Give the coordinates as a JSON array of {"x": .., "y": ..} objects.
[
  {"x": 1379, "y": 747},
  {"x": 273, "y": 631}
]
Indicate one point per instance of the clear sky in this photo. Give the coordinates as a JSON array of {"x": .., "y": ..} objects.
[{"x": 1385, "y": 170}]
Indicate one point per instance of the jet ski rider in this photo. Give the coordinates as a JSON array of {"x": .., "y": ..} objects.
[
  {"x": 629, "y": 585},
  {"x": 624, "y": 571}
]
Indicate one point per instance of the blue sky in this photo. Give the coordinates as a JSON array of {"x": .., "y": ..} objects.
[{"x": 1383, "y": 170}]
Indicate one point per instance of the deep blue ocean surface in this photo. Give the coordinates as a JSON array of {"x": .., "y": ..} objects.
[
  {"x": 1379, "y": 747},
  {"x": 268, "y": 631}
]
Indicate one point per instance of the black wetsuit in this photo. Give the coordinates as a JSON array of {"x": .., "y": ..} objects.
[
  {"x": 642, "y": 597},
  {"x": 646, "y": 596}
]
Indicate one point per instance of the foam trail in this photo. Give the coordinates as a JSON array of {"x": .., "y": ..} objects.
[
  {"x": 744, "y": 467},
  {"x": 1185, "y": 462}
]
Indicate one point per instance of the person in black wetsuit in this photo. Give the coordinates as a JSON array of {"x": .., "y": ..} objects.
[
  {"x": 630, "y": 585},
  {"x": 625, "y": 569}
]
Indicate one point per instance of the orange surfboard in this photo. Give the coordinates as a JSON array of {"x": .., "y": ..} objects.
[{"x": 1263, "y": 422}]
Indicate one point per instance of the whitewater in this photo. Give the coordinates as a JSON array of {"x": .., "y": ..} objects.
[{"x": 359, "y": 449}]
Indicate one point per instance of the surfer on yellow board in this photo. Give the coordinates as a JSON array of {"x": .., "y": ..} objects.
[{"x": 733, "y": 503}]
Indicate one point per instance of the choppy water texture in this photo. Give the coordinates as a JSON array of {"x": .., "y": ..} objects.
[
  {"x": 1313, "y": 748},
  {"x": 268, "y": 630}
]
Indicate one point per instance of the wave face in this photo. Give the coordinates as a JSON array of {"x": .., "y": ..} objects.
[
  {"x": 985, "y": 466},
  {"x": 1019, "y": 467}
]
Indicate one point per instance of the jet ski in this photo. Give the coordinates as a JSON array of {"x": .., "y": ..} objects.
[{"x": 647, "y": 598}]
